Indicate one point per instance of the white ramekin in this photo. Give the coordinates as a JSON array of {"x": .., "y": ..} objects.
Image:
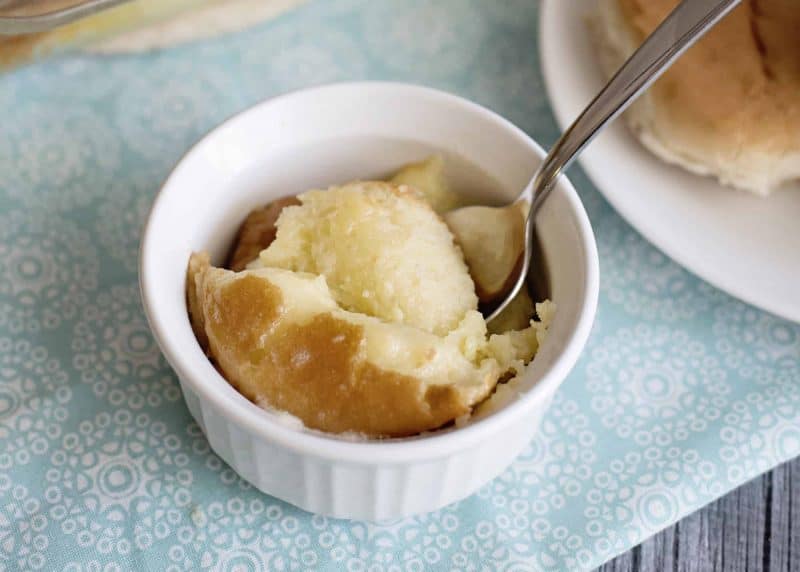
[{"x": 332, "y": 134}]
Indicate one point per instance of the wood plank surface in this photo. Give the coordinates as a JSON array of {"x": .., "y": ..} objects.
[{"x": 755, "y": 528}]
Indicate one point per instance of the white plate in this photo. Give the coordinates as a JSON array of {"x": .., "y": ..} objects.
[{"x": 744, "y": 245}]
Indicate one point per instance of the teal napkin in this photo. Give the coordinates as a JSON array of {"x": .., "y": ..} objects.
[{"x": 682, "y": 393}]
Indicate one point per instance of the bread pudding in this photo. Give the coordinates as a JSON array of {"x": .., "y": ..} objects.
[{"x": 358, "y": 313}]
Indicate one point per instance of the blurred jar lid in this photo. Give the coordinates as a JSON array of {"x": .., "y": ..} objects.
[
  {"x": 30, "y": 29},
  {"x": 29, "y": 16}
]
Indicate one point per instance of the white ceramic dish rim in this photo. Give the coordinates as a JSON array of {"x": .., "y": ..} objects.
[{"x": 244, "y": 413}]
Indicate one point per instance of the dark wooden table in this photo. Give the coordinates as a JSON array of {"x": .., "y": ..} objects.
[{"x": 755, "y": 528}]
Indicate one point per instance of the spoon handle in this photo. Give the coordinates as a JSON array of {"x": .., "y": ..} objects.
[{"x": 685, "y": 25}]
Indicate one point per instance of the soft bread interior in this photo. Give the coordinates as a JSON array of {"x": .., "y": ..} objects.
[
  {"x": 493, "y": 240},
  {"x": 382, "y": 250}
]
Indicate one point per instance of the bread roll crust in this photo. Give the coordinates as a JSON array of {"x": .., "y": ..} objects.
[
  {"x": 257, "y": 232},
  {"x": 316, "y": 368},
  {"x": 730, "y": 106}
]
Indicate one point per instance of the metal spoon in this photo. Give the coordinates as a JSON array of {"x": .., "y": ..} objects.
[{"x": 685, "y": 25}]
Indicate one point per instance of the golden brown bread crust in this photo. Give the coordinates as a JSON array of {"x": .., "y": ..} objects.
[
  {"x": 739, "y": 81},
  {"x": 257, "y": 232},
  {"x": 198, "y": 263},
  {"x": 315, "y": 370},
  {"x": 731, "y": 105}
]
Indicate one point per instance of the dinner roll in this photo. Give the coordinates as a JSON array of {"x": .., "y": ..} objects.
[
  {"x": 281, "y": 339},
  {"x": 730, "y": 106},
  {"x": 360, "y": 316}
]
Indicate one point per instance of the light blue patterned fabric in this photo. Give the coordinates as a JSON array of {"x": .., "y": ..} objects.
[{"x": 682, "y": 393}]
